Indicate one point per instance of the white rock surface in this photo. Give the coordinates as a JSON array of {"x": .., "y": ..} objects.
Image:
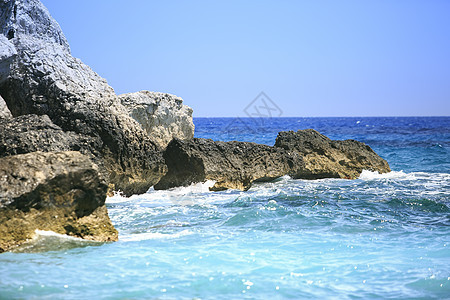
[
  {"x": 51, "y": 63},
  {"x": 41, "y": 53},
  {"x": 30, "y": 18},
  {"x": 162, "y": 116},
  {"x": 4, "y": 111},
  {"x": 38, "y": 75},
  {"x": 7, "y": 54}
]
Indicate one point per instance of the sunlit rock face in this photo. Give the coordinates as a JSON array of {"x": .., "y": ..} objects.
[
  {"x": 4, "y": 111},
  {"x": 55, "y": 191},
  {"x": 161, "y": 115},
  {"x": 232, "y": 165},
  {"x": 38, "y": 75},
  {"x": 326, "y": 158}
]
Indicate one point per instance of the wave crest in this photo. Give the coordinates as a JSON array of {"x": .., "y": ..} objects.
[{"x": 370, "y": 175}]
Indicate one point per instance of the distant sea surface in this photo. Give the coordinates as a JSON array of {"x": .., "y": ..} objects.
[{"x": 379, "y": 236}]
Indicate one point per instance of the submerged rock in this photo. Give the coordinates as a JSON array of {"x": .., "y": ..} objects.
[
  {"x": 232, "y": 165},
  {"x": 162, "y": 116},
  {"x": 38, "y": 75},
  {"x": 326, "y": 158},
  {"x": 54, "y": 191}
]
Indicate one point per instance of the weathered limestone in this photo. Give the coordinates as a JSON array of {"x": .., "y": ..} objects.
[
  {"x": 30, "y": 133},
  {"x": 7, "y": 54},
  {"x": 52, "y": 102},
  {"x": 162, "y": 116},
  {"x": 305, "y": 154},
  {"x": 4, "y": 111},
  {"x": 325, "y": 158},
  {"x": 57, "y": 191},
  {"x": 38, "y": 75},
  {"x": 232, "y": 165}
]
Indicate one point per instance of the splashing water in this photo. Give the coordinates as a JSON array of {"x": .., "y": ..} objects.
[{"x": 379, "y": 236}]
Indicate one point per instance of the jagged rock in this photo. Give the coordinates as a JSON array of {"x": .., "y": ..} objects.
[
  {"x": 38, "y": 75},
  {"x": 57, "y": 191},
  {"x": 4, "y": 111},
  {"x": 326, "y": 158},
  {"x": 7, "y": 53},
  {"x": 30, "y": 18},
  {"x": 232, "y": 165},
  {"x": 30, "y": 133},
  {"x": 162, "y": 116}
]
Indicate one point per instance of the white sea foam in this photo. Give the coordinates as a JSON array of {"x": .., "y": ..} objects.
[
  {"x": 45, "y": 233},
  {"x": 117, "y": 198},
  {"x": 200, "y": 187},
  {"x": 164, "y": 197},
  {"x": 195, "y": 194},
  {"x": 400, "y": 175},
  {"x": 153, "y": 236},
  {"x": 370, "y": 175}
]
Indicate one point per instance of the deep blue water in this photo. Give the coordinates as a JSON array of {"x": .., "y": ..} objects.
[{"x": 380, "y": 236}]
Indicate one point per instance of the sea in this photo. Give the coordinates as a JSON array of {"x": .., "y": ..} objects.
[{"x": 381, "y": 236}]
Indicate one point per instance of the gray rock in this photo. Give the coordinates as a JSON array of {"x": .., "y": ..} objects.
[
  {"x": 7, "y": 54},
  {"x": 42, "y": 55},
  {"x": 30, "y": 18},
  {"x": 232, "y": 165},
  {"x": 4, "y": 111},
  {"x": 57, "y": 191},
  {"x": 162, "y": 116},
  {"x": 40, "y": 76},
  {"x": 325, "y": 158},
  {"x": 30, "y": 133}
]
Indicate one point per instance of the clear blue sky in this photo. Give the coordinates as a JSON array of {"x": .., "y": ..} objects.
[{"x": 313, "y": 58}]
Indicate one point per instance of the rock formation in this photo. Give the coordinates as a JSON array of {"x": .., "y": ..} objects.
[
  {"x": 4, "y": 111},
  {"x": 38, "y": 75},
  {"x": 51, "y": 104},
  {"x": 232, "y": 165},
  {"x": 30, "y": 133},
  {"x": 162, "y": 116},
  {"x": 325, "y": 158},
  {"x": 61, "y": 192},
  {"x": 305, "y": 154},
  {"x": 7, "y": 53}
]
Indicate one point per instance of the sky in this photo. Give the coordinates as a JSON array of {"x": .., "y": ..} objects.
[{"x": 311, "y": 58}]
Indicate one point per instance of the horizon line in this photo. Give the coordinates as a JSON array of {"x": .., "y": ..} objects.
[{"x": 285, "y": 117}]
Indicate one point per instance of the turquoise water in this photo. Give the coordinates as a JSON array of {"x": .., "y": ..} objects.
[{"x": 380, "y": 236}]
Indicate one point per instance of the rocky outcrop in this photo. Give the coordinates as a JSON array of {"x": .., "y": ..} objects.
[
  {"x": 125, "y": 135},
  {"x": 232, "y": 165},
  {"x": 30, "y": 133},
  {"x": 305, "y": 154},
  {"x": 162, "y": 116},
  {"x": 30, "y": 18},
  {"x": 326, "y": 158},
  {"x": 38, "y": 75},
  {"x": 59, "y": 191},
  {"x": 4, "y": 111},
  {"x": 7, "y": 54}
]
